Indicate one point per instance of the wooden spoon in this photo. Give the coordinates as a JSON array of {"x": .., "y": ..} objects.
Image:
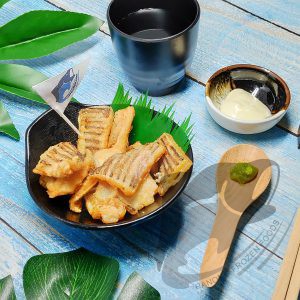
[{"x": 233, "y": 198}]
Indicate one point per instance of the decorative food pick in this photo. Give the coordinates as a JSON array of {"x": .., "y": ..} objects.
[
  {"x": 243, "y": 172},
  {"x": 106, "y": 173},
  {"x": 58, "y": 91}
]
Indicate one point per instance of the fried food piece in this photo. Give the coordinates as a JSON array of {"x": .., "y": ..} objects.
[
  {"x": 118, "y": 139},
  {"x": 94, "y": 125},
  {"x": 102, "y": 155},
  {"x": 66, "y": 185},
  {"x": 75, "y": 202},
  {"x": 59, "y": 161},
  {"x": 136, "y": 145},
  {"x": 143, "y": 197},
  {"x": 121, "y": 129},
  {"x": 127, "y": 170},
  {"x": 104, "y": 205},
  {"x": 172, "y": 165}
]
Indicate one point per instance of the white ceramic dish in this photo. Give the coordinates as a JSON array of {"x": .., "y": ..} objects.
[{"x": 272, "y": 91}]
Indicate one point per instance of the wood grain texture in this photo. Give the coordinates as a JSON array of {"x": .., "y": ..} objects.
[
  {"x": 171, "y": 261},
  {"x": 101, "y": 84},
  {"x": 99, "y": 87},
  {"x": 229, "y": 36},
  {"x": 233, "y": 200},
  {"x": 293, "y": 292},
  {"x": 289, "y": 264},
  {"x": 14, "y": 254},
  {"x": 282, "y": 13}
]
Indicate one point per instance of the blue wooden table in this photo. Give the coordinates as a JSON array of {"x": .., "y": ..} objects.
[{"x": 168, "y": 250}]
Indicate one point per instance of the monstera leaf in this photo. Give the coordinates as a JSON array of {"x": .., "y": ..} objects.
[
  {"x": 41, "y": 32},
  {"x": 77, "y": 274},
  {"x": 6, "y": 125},
  {"x": 7, "y": 291},
  {"x": 136, "y": 288}
]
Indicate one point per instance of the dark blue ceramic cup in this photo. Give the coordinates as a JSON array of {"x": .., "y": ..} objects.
[{"x": 155, "y": 40}]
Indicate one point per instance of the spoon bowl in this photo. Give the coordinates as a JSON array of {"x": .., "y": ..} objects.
[{"x": 233, "y": 200}]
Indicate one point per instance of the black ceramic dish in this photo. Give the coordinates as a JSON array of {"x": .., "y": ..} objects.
[
  {"x": 155, "y": 40},
  {"x": 48, "y": 130}
]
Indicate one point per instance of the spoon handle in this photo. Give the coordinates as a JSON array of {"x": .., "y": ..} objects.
[{"x": 218, "y": 245}]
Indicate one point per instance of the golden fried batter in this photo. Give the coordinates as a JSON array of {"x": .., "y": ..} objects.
[
  {"x": 121, "y": 128},
  {"x": 59, "y": 161},
  {"x": 172, "y": 165},
  {"x": 136, "y": 145},
  {"x": 95, "y": 124},
  {"x": 103, "y": 204},
  {"x": 75, "y": 202},
  {"x": 66, "y": 185},
  {"x": 102, "y": 155},
  {"x": 127, "y": 170},
  {"x": 143, "y": 197}
]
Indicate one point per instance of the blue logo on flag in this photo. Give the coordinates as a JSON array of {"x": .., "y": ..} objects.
[{"x": 66, "y": 86}]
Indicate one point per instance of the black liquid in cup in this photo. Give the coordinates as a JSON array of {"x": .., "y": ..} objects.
[{"x": 155, "y": 40}]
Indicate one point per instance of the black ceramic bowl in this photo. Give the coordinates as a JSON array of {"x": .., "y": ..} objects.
[
  {"x": 155, "y": 40},
  {"x": 48, "y": 130}
]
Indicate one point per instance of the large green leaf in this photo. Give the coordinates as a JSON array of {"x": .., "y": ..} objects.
[
  {"x": 2, "y": 2},
  {"x": 136, "y": 288},
  {"x": 41, "y": 32},
  {"x": 7, "y": 291},
  {"x": 18, "y": 80},
  {"x": 6, "y": 124},
  {"x": 77, "y": 274}
]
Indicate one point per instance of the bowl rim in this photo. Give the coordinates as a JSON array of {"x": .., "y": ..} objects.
[
  {"x": 143, "y": 40},
  {"x": 280, "y": 113},
  {"x": 100, "y": 226}
]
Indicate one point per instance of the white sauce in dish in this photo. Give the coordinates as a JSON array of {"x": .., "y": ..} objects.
[{"x": 241, "y": 105}]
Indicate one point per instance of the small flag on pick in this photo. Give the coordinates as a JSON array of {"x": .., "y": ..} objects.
[{"x": 58, "y": 91}]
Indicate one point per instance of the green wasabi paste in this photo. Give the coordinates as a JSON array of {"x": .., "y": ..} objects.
[{"x": 243, "y": 172}]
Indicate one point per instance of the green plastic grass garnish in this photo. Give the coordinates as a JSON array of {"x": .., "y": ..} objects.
[{"x": 148, "y": 125}]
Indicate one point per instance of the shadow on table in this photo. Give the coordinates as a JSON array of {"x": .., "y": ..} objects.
[{"x": 177, "y": 237}]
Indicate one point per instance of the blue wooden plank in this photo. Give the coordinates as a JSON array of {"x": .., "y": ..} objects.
[
  {"x": 170, "y": 262},
  {"x": 14, "y": 254},
  {"x": 99, "y": 86},
  {"x": 228, "y": 36},
  {"x": 280, "y": 12},
  {"x": 191, "y": 226}
]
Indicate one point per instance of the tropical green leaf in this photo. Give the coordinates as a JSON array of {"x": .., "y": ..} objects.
[
  {"x": 6, "y": 125},
  {"x": 7, "y": 291},
  {"x": 148, "y": 126},
  {"x": 41, "y": 32},
  {"x": 136, "y": 288},
  {"x": 77, "y": 274},
  {"x": 18, "y": 80},
  {"x": 2, "y": 2}
]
